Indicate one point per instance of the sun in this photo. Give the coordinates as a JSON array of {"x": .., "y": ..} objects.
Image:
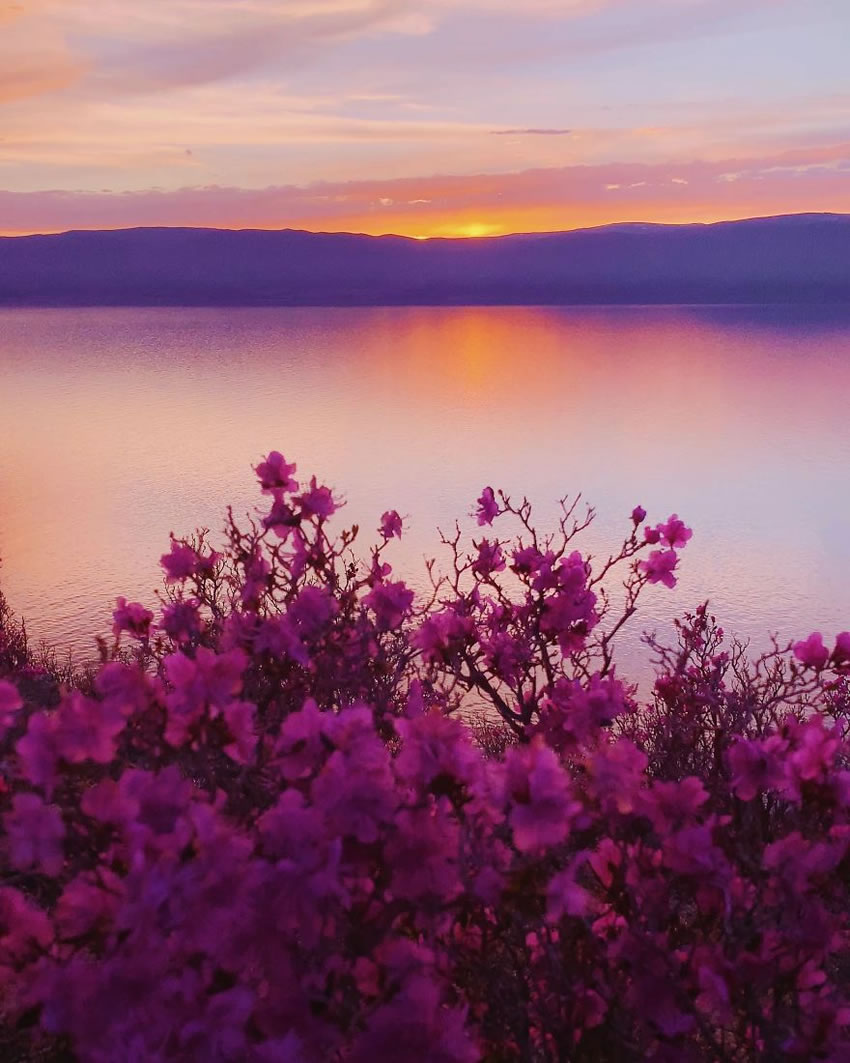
[{"x": 476, "y": 228}]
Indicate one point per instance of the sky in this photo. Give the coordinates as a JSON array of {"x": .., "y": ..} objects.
[{"x": 442, "y": 118}]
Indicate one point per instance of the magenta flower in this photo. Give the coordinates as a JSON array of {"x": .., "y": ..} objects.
[
  {"x": 312, "y": 611},
  {"x": 527, "y": 561},
  {"x": 488, "y": 507},
  {"x": 181, "y": 621},
  {"x": 617, "y": 774},
  {"x": 442, "y": 636},
  {"x": 87, "y": 729},
  {"x": 274, "y": 474},
  {"x": 811, "y": 652},
  {"x": 435, "y": 746},
  {"x": 391, "y": 525},
  {"x": 182, "y": 562},
  {"x": 35, "y": 832},
  {"x": 301, "y": 741},
  {"x": 37, "y": 750},
  {"x": 424, "y": 854},
  {"x": 207, "y": 681},
  {"x": 240, "y": 718},
  {"x": 318, "y": 501},
  {"x": 638, "y": 515},
  {"x": 505, "y": 655},
  {"x": 132, "y": 618},
  {"x": 758, "y": 765},
  {"x": 659, "y": 567},
  {"x": 542, "y": 807},
  {"x": 564, "y": 896},
  {"x": 841, "y": 653},
  {"x": 10, "y": 704},
  {"x": 490, "y": 559},
  {"x": 674, "y": 533},
  {"x": 390, "y": 602},
  {"x": 416, "y": 1019}
]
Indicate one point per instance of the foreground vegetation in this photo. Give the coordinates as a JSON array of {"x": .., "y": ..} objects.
[{"x": 301, "y": 815}]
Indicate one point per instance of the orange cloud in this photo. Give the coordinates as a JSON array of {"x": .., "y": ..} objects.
[{"x": 477, "y": 205}]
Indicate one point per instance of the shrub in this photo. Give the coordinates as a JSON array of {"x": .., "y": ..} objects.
[{"x": 300, "y": 815}]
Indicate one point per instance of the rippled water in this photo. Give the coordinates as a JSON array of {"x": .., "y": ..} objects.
[{"x": 117, "y": 426}]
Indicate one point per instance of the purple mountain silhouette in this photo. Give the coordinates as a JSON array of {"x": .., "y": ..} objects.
[{"x": 799, "y": 258}]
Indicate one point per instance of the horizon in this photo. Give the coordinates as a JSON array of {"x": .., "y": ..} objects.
[
  {"x": 626, "y": 223},
  {"x": 470, "y": 119}
]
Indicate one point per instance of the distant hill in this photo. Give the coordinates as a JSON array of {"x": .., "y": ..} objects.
[{"x": 796, "y": 258}]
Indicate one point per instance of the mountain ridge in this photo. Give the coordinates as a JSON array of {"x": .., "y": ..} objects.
[{"x": 784, "y": 258}]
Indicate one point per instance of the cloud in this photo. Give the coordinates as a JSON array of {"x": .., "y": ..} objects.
[
  {"x": 531, "y": 132},
  {"x": 128, "y": 46},
  {"x": 563, "y": 197},
  {"x": 33, "y": 60}
]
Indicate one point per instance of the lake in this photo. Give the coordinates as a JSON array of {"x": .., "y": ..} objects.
[{"x": 119, "y": 425}]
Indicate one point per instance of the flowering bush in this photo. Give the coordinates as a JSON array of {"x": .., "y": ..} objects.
[{"x": 305, "y": 815}]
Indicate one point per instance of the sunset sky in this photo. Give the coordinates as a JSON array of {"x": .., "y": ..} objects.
[{"x": 451, "y": 117}]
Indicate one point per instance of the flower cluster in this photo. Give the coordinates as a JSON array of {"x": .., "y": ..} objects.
[{"x": 268, "y": 828}]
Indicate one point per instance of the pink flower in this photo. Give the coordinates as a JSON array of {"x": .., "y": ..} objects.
[
  {"x": 416, "y": 1020},
  {"x": 24, "y": 929},
  {"x": 132, "y": 618},
  {"x": 570, "y": 613},
  {"x": 37, "y": 750},
  {"x": 527, "y": 561},
  {"x": 124, "y": 689},
  {"x": 85, "y": 903},
  {"x": 35, "y": 832},
  {"x": 391, "y": 525},
  {"x": 391, "y": 603},
  {"x": 209, "y": 681},
  {"x": 811, "y": 652},
  {"x": 488, "y": 507},
  {"x": 442, "y": 636},
  {"x": 815, "y": 747},
  {"x": 539, "y": 791},
  {"x": 423, "y": 854},
  {"x": 355, "y": 791},
  {"x": 281, "y": 518},
  {"x": 256, "y": 579},
  {"x": 617, "y": 774},
  {"x": 274, "y": 474},
  {"x": 674, "y": 533},
  {"x": 278, "y": 637},
  {"x": 183, "y": 562},
  {"x": 300, "y": 745},
  {"x": 672, "y": 804},
  {"x": 87, "y": 729},
  {"x": 758, "y": 765},
  {"x": 573, "y": 713},
  {"x": 490, "y": 559},
  {"x": 841, "y": 653},
  {"x": 638, "y": 515},
  {"x": 563, "y": 894},
  {"x": 311, "y": 611},
  {"x": 10, "y": 704},
  {"x": 659, "y": 567},
  {"x": 240, "y": 719},
  {"x": 181, "y": 621},
  {"x": 318, "y": 501},
  {"x": 505, "y": 655},
  {"x": 435, "y": 747}
]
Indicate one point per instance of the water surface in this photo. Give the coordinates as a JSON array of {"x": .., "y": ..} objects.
[{"x": 119, "y": 425}]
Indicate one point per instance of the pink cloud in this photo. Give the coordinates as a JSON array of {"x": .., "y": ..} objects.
[{"x": 552, "y": 198}]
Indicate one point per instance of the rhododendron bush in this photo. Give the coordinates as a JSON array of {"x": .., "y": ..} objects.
[{"x": 303, "y": 814}]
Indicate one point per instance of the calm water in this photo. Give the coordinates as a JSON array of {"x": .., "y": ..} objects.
[{"x": 117, "y": 426}]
